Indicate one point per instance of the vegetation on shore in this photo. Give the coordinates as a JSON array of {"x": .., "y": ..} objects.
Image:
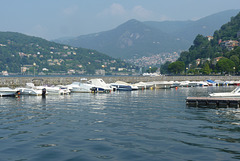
[
  {"x": 218, "y": 54},
  {"x": 24, "y": 54}
]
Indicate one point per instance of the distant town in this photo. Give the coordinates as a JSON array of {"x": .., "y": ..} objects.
[{"x": 154, "y": 60}]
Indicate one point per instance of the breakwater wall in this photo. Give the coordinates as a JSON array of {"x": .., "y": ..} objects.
[{"x": 21, "y": 81}]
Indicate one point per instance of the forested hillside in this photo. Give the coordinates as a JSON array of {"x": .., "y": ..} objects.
[
  {"x": 217, "y": 54},
  {"x": 20, "y": 53}
]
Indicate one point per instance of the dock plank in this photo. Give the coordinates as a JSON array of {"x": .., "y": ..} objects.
[{"x": 217, "y": 101}]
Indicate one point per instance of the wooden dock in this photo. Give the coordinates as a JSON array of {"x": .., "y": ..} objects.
[{"x": 213, "y": 101}]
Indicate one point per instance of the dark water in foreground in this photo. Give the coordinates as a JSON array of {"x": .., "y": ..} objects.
[{"x": 139, "y": 125}]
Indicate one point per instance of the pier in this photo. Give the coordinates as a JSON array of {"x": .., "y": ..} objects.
[{"x": 213, "y": 101}]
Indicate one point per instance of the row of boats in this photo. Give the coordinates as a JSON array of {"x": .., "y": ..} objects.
[{"x": 98, "y": 85}]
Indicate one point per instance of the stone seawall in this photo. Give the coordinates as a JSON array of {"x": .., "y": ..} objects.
[{"x": 21, "y": 81}]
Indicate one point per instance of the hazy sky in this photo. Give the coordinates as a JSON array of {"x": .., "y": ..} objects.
[{"x": 52, "y": 19}]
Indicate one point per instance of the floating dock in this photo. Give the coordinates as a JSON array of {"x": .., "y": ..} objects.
[{"x": 213, "y": 101}]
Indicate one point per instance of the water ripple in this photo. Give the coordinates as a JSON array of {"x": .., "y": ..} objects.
[{"x": 139, "y": 125}]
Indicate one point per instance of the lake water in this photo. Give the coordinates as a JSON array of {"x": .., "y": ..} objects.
[{"x": 139, "y": 125}]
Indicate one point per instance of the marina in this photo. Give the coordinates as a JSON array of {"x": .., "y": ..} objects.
[
  {"x": 17, "y": 81},
  {"x": 62, "y": 85}
]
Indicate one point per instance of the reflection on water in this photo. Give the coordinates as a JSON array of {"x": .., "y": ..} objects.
[{"x": 137, "y": 125}]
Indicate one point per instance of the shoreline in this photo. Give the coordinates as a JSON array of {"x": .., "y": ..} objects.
[{"x": 59, "y": 80}]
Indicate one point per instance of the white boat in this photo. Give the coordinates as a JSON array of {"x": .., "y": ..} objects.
[
  {"x": 162, "y": 84},
  {"x": 151, "y": 74},
  {"x": 192, "y": 84},
  {"x": 202, "y": 84},
  {"x": 184, "y": 84},
  {"x": 234, "y": 93},
  {"x": 143, "y": 85},
  {"x": 30, "y": 89},
  {"x": 55, "y": 89},
  {"x": 120, "y": 85},
  {"x": 100, "y": 86},
  {"x": 79, "y": 87},
  {"x": 6, "y": 91}
]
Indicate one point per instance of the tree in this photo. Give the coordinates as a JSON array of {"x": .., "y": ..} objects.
[
  {"x": 206, "y": 69},
  {"x": 164, "y": 68},
  {"x": 225, "y": 65},
  {"x": 152, "y": 70},
  {"x": 200, "y": 40},
  {"x": 235, "y": 59},
  {"x": 176, "y": 67}
]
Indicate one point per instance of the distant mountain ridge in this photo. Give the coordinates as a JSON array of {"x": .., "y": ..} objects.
[
  {"x": 136, "y": 39},
  {"x": 188, "y": 30},
  {"x": 132, "y": 38}
]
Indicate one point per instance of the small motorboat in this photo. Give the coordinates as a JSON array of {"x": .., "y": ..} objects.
[
  {"x": 6, "y": 91},
  {"x": 79, "y": 87},
  {"x": 234, "y": 93},
  {"x": 99, "y": 86},
  {"x": 30, "y": 89},
  {"x": 123, "y": 86}
]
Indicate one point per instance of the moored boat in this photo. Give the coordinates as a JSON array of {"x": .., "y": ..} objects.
[
  {"x": 6, "y": 91},
  {"x": 234, "y": 93},
  {"x": 79, "y": 87},
  {"x": 30, "y": 89},
  {"x": 99, "y": 85},
  {"x": 123, "y": 86}
]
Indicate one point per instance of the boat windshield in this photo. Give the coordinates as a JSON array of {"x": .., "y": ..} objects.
[{"x": 236, "y": 90}]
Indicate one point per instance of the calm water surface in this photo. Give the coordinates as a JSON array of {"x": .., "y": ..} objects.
[{"x": 139, "y": 125}]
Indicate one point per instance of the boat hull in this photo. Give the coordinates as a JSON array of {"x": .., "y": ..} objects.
[
  {"x": 34, "y": 92},
  {"x": 224, "y": 95},
  {"x": 8, "y": 92}
]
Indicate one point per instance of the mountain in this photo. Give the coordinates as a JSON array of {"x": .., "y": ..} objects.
[
  {"x": 137, "y": 39},
  {"x": 132, "y": 38},
  {"x": 20, "y": 53},
  {"x": 188, "y": 30}
]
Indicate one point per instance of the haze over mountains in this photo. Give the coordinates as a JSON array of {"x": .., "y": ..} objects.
[{"x": 137, "y": 39}]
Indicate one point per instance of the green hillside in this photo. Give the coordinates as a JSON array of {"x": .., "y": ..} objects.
[
  {"x": 217, "y": 54},
  {"x": 24, "y": 54}
]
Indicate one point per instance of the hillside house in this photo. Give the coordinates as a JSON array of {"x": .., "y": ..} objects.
[
  {"x": 5, "y": 73},
  {"x": 230, "y": 44},
  {"x": 100, "y": 72},
  {"x": 45, "y": 69},
  {"x": 210, "y": 38},
  {"x": 71, "y": 71},
  {"x": 215, "y": 60},
  {"x": 121, "y": 69},
  {"x": 21, "y": 54},
  {"x": 65, "y": 47},
  {"x": 112, "y": 68},
  {"x": 198, "y": 61},
  {"x": 202, "y": 61}
]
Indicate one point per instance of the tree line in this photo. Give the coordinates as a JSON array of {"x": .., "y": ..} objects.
[{"x": 218, "y": 55}]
